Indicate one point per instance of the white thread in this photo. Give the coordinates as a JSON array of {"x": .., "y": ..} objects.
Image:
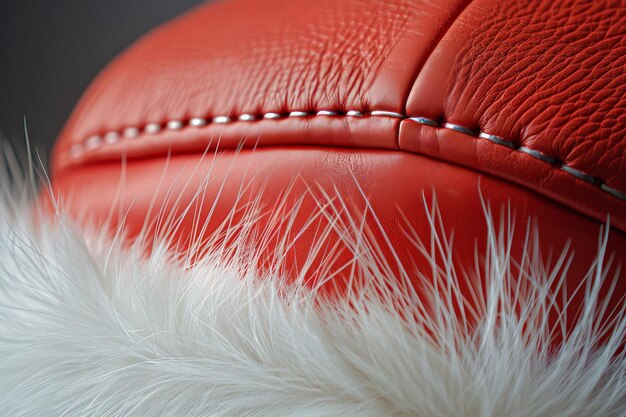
[
  {"x": 131, "y": 132},
  {"x": 221, "y": 120},
  {"x": 497, "y": 139},
  {"x": 578, "y": 174},
  {"x": 152, "y": 128},
  {"x": 385, "y": 113},
  {"x": 613, "y": 191},
  {"x": 424, "y": 121},
  {"x": 197, "y": 122},
  {"x": 111, "y": 137},
  {"x": 174, "y": 125},
  {"x": 459, "y": 128},
  {"x": 538, "y": 155},
  {"x": 94, "y": 142}
]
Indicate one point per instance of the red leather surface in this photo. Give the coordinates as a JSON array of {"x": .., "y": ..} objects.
[
  {"x": 547, "y": 76},
  {"x": 415, "y": 90},
  {"x": 198, "y": 194},
  {"x": 254, "y": 57}
]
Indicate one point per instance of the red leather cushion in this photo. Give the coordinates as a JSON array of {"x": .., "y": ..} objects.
[{"x": 404, "y": 97}]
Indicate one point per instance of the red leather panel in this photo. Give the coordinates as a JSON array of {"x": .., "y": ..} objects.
[
  {"x": 254, "y": 57},
  {"x": 541, "y": 81},
  {"x": 548, "y": 76},
  {"x": 405, "y": 96},
  {"x": 393, "y": 182}
]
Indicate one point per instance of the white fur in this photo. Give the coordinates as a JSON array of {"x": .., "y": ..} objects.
[{"x": 90, "y": 326}]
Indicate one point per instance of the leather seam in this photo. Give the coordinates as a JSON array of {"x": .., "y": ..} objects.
[
  {"x": 96, "y": 142},
  {"x": 433, "y": 47}
]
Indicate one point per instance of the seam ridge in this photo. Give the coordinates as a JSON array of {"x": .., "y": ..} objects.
[
  {"x": 452, "y": 19},
  {"x": 95, "y": 142}
]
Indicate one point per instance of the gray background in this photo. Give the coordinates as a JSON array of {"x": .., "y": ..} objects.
[{"x": 51, "y": 49}]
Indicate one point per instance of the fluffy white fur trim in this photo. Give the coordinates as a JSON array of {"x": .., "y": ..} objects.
[{"x": 91, "y": 327}]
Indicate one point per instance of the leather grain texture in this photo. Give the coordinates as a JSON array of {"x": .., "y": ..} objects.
[
  {"x": 521, "y": 103},
  {"x": 545, "y": 76},
  {"x": 255, "y": 57}
]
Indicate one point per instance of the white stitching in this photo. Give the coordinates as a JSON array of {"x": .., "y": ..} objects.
[
  {"x": 613, "y": 191},
  {"x": 94, "y": 142},
  {"x": 498, "y": 140},
  {"x": 152, "y": 128},
  {"x": 222, "y": 120},
  {"x": 174, "y": 125},
  {"x": 197, "y": 121},
  {"x": 131, "y": 132},
  {"x": 247, "y": 117},
  {"x": 112, "y": 137},
  {"x": 541, "y": 156},
  {"x": 460, "y": 128},
  {"x": 384, "y": 113},
  {"x": 578, "y": 174},
  {"x": 424, "y": 121}
]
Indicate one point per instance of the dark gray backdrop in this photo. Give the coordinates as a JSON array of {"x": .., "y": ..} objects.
[{"x": 51, "y": 49}]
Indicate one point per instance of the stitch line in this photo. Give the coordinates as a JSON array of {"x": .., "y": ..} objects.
[{"x": 95, "y": 142}]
